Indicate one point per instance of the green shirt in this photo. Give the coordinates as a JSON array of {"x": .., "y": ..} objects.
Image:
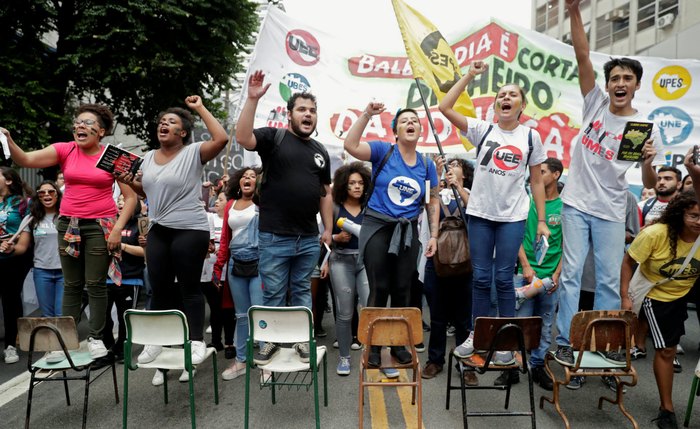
[{"x": 552, "y": 210}]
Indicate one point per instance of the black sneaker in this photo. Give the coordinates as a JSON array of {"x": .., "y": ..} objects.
[
  {"x": 609, "y": 381},
  {"x": 302, "y": 350},
  {"x": 375, "y": 357},
  {"x": 540, "y": 376},
  {"x": 614, "y": 357},
  {"x": 564, "y": 355},
  {"x": 230, "y": 352},
  {"x": 677, "y": 368},
  {"x": 666, "y": 420},
  {"x": 637, "y": 353},
  {"x": 510, "y": 376},
  {"x": 402, "y": 355},
  {"x": 266, "y": 353},
  {"x": 576, "y": 382}
]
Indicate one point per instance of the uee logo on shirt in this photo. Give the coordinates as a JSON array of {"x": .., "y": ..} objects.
[
  {"x": 403, "y": 191},
  {"x": 505, "y": 158},
  {"x": 318, "y": 159}
]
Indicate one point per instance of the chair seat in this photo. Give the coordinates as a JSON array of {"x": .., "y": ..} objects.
[
  {"x": 595, "y": 361},
  {"x": 287, "y": 360},
  {"x": 171, "y": 358},
  {"x": 79, "y": 359}
]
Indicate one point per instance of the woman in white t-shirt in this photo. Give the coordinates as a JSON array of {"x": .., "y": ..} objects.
[
  {"x": 498, "y": 204},
  {"x": 48, "y": 277}
]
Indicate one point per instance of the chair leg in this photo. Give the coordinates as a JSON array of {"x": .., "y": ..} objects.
[
  {"x": 325, "y": 380},
  {"x": 314, "y": 375},
  {"x": 191, "y": 388},
  {"x": 415, "y": 386},
  {"x": 216, "y": 379},
  {"x": 532, "y": 397},
  {"x": 29, "y": 401},
  {"x": 508, "y": 386},
  {"x": 449, "y": 381},
  {"x": 114, "y": 380},
  {"x": 127, "y": 364},
  {"x": 272, "y": 388},
  {"x": 691, "y": 399},
  {"x": 165, "y": 384},
  {"x": 463, "y": 391},
  {"x": 619, "y": 400},
  {"x": 248, "y": 368},
  {"x": 419, "y": 388},
  {"x": 87, "y": 396},
  {"x": 362, "y": 393},
  {"x": 65, "y": 387},
  {"x": 556, "y": 385}
]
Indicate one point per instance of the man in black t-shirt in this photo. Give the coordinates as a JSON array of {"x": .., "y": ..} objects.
[{"x": 295, "y": 186}]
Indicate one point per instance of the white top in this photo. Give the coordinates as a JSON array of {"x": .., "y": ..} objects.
[
  {"x": 498, "y": 192},
  {"x": 238, "y": 220},
  {"x": 596, "y": 183},
  {"x": 215, "y": 224}
]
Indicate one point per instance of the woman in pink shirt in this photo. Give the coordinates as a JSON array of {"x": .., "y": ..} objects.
[{"x": 89, "y": 235}]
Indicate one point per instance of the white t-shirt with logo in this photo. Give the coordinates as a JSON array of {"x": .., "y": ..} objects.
[
  {"x": 498, "y": 192},
  {"x": 596, "y": 183},
  {"x": 654, "y": 212}
]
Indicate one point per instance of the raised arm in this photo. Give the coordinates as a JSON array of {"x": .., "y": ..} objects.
[
  {"x": 538, "y": 195},
  {"x": 244, "y": 127},
  {"x": 41, "y": 158},
  {"x": 352, "y": 143},
  {"x": 447, "y": 104},
  {"x": 586, "y": 75},
  {"x": 693, "y": 170},
  {"x": 219, "y": 138}
]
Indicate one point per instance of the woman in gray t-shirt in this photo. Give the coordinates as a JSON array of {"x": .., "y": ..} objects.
[{"x": 178, "y": 237}]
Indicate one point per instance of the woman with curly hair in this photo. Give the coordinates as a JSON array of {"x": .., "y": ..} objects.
[
  {"x": 660, "y": 250},
  {"x": 89, "y": 231},
  {"x": 347, "y": 272},
  {"x": 41, "y": 230},
  {"x": 238, "y": 250}
]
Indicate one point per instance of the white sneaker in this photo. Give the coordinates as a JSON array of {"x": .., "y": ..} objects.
[
  {"x": 97, "y": 348},
  {"x": 11, "y": 355},
  {"x": 679, "y": 349},
  {"x": 158, "y": 378},
  {"x": 149, "y": 353},
  {"x": 185, "y": 376},
  {"x": 208, "y": 330},
  {"x": 55, "y": 357},
  {"x": 465, "y": 349},
  {"x": 199, "y": 352},
  {"x": 235, "y": 370}
]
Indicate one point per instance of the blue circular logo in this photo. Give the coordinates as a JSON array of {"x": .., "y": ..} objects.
[
  {"x": 674, "y": 124},
  {"x": 262, "y": 324}
]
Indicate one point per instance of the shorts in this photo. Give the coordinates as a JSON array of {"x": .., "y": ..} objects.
[{"x": 666, "y": 321}]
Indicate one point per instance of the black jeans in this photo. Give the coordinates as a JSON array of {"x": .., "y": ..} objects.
[
  {"x": 450, "y": 300},
  {"x": 14, "y": 269},
  {"x": 390, "y": 275},
  {"x": 178, "y": 253},
  {"x": 122, "y": 297},
  {"x": 221, "y": 319}
]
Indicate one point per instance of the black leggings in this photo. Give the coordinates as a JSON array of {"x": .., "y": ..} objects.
[
  {"x": 390, "y": 275},
  {"x": 122, "y": 297},
  {"x": 178, "y": 253},
  {"x": 220, "y": 319},
  {"x": 14, "y": 269}
]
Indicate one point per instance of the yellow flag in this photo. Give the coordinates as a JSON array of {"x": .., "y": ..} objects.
[{"x": 431, "y": 56}]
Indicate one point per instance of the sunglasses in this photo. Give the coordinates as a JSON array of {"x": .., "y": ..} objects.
[{"x": 46, "y": 192}]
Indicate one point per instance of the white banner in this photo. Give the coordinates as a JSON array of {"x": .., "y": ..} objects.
[{"x": 345, "y": 77}]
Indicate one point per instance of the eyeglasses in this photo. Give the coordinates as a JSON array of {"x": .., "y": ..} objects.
[
  {"x": 87, "y": 122},
  {"x": 46, "y": 192}
]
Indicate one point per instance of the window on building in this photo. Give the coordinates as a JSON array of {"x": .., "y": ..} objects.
[
  {"x": 603, "y": 33},
  {"x": 645, "y": 14},
  {"x": 552, "y": 13},
  {"x": 541, "y": 18},
  {"x": 613, "y": 26}
]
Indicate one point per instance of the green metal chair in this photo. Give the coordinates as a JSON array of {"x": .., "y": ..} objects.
[
  {"x": 48, "y": 334},
  {"x": 693, "y": 393},
  {"x": 285, "y": 325},
  {"x": 164, "y": 328}
]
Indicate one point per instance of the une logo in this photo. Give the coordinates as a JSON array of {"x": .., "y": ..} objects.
[
  {"x": 674, "y": 124},
  {"x": 303, "y": 48}
]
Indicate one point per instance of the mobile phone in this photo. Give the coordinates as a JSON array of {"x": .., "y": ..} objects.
[{"x": 696, "y": 154}]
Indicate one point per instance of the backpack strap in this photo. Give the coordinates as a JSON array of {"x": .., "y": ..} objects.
[
  {"x": 481, "y": 142},
  {"x": 529, "y": 147},
  {"x": 381, "y": 165},
  {"x": 647, "y": 207}
]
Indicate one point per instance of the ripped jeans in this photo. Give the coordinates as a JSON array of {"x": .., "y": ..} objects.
[
  {"x": 349, "y": 282},
  {"x": 543, "y": 305},
  {"x": 89, "y": 270}
]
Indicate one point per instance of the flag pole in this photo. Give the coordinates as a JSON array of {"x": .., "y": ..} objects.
[{"x": 462, "y": 213}]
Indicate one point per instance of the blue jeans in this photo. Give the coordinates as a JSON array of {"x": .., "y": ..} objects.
[
  {"x": 506, "y": 238},
  {"x": 349, "y": 281},
  {"x": 49, "y": 291},
  {"x": 286, "y": 263},
  {"x": 543, "y": 305},
  {"x": 245, "y": 291},
  {"x": 581, "y": 231}
]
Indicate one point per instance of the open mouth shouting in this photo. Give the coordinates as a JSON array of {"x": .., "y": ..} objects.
[{"x": 620, "y": 94}]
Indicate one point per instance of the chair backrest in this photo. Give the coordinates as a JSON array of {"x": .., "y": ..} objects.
[
  {"x": 156, "y": 327},
  {"x": 504, "y": 333},
  {"x": 46, "y": 331},
  {"x": 601, "y": 330},
  {"x": 280, "y": 324},
  {"x": 390, "y": 326}
]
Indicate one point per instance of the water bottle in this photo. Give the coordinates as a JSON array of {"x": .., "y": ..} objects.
[
  {"x": 349, "y": 226},
  {"x": 536, "y": 287}
]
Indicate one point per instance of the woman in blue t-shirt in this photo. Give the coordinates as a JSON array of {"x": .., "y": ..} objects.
[
  {"x": 498, "y": 205},
  {"x": 389, "y": 241},
  {"x": 347, "y": 272}
]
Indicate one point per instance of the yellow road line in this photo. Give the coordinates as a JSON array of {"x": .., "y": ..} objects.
[
  {"x": 410, "y": 412},
  {"x": 377, "y": 407}
]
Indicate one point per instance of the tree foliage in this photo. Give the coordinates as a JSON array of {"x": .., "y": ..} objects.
[{"x": 138, "y": 56}]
